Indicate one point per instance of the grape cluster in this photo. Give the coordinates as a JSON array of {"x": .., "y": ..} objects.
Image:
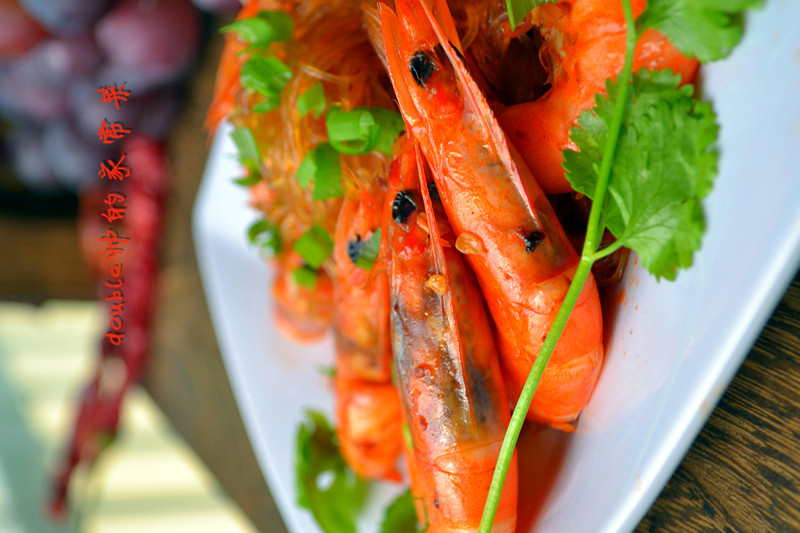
[{"x": 54, "y": 54}]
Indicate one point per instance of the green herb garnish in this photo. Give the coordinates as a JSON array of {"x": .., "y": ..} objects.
[
  {"x": 305, "y": 277},
  {"x": 322, "y": 166},
  {"x": 705, "y": 29},
  {"x": 519, "y": 9},
  {"x": 249, "y": 155},
  {"x": 401, "y": 517},
  {"x": 646, "y": 158},
  {"x": 263, "y": 29},
  {"x": 325, "y": 484},
  {"x": 265, "y": 235},
  {"x": 314, "y": 246},
  {"x": 313, "y": 100},
  {"x": 363, "y": 129},
  {"x": 267, "y": 76}
]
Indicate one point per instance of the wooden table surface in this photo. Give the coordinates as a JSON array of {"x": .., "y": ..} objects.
[{"x": 741, "y": 474}]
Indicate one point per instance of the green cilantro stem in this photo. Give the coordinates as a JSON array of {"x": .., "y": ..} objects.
[{"x": 589, "y": 255}]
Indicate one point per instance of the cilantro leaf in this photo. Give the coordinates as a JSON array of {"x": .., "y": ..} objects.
[
  {"x": 519, "y": 9},
  {"x": 401, "y": 516},
  {"x": 705, "y": 29},
  {"x": 324, "y": 483},
  {"x": 664, "y": 165}
]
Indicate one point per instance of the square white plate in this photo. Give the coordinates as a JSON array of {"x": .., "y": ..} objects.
[{"x": 672, "y": 348}]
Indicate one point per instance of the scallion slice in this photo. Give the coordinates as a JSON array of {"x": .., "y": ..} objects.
[
  {"x": 312, "y": 100},
  {"x": 314, "y": 246},
  {"x": 265, "y": 28},
  {"x": 363, "y": 129},
  {"x": 264, "y": 234},
  {"x": 305, "y": 277},
  {"x": 322, "y": 166},
  {"x": 267, "y": 76}
]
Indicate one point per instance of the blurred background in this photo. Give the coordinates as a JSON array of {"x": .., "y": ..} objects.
[{"x": 54, "y": 56}]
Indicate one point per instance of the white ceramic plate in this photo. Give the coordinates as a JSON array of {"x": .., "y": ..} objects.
[{"x": 672, "y": 347}]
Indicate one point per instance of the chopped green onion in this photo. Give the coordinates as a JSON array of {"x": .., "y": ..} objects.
[
  {"x": 245, "y": 142},
  {"x": 267, "y": 76},
  {"x": 265, "y": 235},
  {"x": 368, "y": 251},
  {"x": 351, "y": 132},
  {"x": 265, "y": 28},
  {"x": 248, "y": 181},
  {"x": 305, "y": 277},
  {"x": 363, "y": 129},
  {"x": 314, "y": 246},
  {"x": 312, "y": 100},
  {"x": 391, "y": 125},
  {"x": 322, "y": 166}
]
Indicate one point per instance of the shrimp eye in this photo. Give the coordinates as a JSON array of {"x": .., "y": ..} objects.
[
  {"x": 421, "y": 67},
  {"x": 533, "y": 240},
  {"x": 354, "y": 248},
  {"x": 402, "y": 207}
]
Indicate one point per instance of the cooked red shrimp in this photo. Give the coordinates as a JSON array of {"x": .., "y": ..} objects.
[
  {"x": 446, "y": 363},
  {"x": 301, "y": 313},
  {"x": 584, "y": 45},
  {"x": 369, "y": 427},
  {"x": 520, "y": 254},
  {"x": 367, "y": 404},
  {"x": 361, "y": 323}
]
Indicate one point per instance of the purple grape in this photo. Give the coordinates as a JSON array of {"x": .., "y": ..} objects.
[
  {"x": 151, "y": 41},
  {"x": 64, "y": 17},
  {"x": 25, "y": 95},
  {"x": 89, "y": 110},
  {"x": 218, "y": 6},
  {"x": 158, "y": 114},
  {"x": 74, "y": 161},
  {"x": 62, "y": 59},
  {"x": 26, "y": 154}
]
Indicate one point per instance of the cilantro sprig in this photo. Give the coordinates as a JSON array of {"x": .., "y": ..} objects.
[
  {"x": 646, "y": 158},
  {"x": 325, "y": 484},
  {"x": 401, "y": 516}
]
